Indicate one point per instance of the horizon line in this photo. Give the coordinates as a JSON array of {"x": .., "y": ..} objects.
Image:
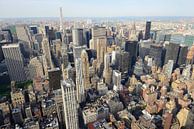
[{"x": 20, "y": 17}]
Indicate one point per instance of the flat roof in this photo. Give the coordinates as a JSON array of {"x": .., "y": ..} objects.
[{"x": 10, "y": 45}]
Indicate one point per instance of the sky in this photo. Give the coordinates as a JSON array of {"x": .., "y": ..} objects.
[{"x": 95, "y": 8}]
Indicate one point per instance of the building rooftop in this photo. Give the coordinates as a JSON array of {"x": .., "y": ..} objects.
[{"x": 10, "y": 45}]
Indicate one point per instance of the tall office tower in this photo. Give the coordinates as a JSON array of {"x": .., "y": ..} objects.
[
  {"x": 157, "y": 54},
  {"x": 24, "y": 36},
  {"x": 36, "y": 46},
  {"x": 168, "y": 68},
  {"x": 14, "y": 62},
  {"x": 190, "y": 55},
  {"x": 71, "y": 73},
  {"x": 34, "y": 29},
  {"x": 147, "y": 31},
  {"x": 58, "y": 35},
  {"x": 77, "y": 50},
  {"x": 124, "y": 64},
  {"x": 46, "y": 28},
  {"x": 64, "y": 59},
  {"x": 61, "y": 19},
  {"x": 47, "y": 53},
  {"x": 107, "y": 60},
  {"x": 59, "y": 107},
  {"x": 51, "y": 35},
  {"x": 160, "y": 37},
  {"x": 132, "y": 34},
  {"x": 122, "y": 61},
  {"x": 36, "y": 68},
  {"x": 153, "y": 35},
  {"x": 85, "y": 70},
  {"x": 67, "y": 39},
  {"x": 107, "y": 73},
  {"x": 54, "y": 78},
  {"x": 116, "y": 78},
  {"x": 86, "y": 37},
  {"x": 57, "y": 48},
  {"x": 140, "y": 36},
  {"x": 77, "y": 37},
  {"x": 80, "y": 93},
  {"x": 132, "y": 48},
  {"x": 115, "y": 60},
  {"x": 144, "y": 48},
  {"x": 183, "y": 50},
  {"x": 1, "y": 53},
  {"x": 69, "y": 104},
  {"x": 101, "y": 50},
  {"x": 97, "y": 32},
  {"x": 172, "y": 50},
  {"x": 45, "y": 66},
  {"x": 7, "y": 35}
]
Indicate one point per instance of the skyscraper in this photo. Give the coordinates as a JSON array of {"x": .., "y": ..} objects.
[
  {"x": 35, "y": 67},
  {"x": 131, "y": 48},
  {"x": 79, "y": 81},
  {"x": 69, "y": 104},
  {"x": 107, "y": 73},
  {"x": 147, "y": 31},
  {"x": 54, "y": 78},
  {"x": 124, "y": 62},
  {"x": 116, "y": 78},
  {"x": 138, "y": 68},
  {"x": 140, "y": 36},
  {"x": 86, "y": 36},
  {"x": 24, "y": 36},
  {"x": 144, "y": 48},
  {"x": 97, "y": 32},
  {"x": 168, "y": 68},
  {"x": 34, "y": 29},
  {"x": 85, "y": 69},
  {"x": 78, "y": 37},
  {"x": 190, "y": 55},
  {"x": 172, "y": 51},
  {"x": 132, "y": 35},
  {"x": 101, "y": 50},
  {"x": 156, "y": 52},
  {"x": 1, "y": 53},
  {"x": 183, "y": 50},
  {"x": 14, "y": 62},
  {"x": 46, "y": 52},
  {"x": 77, "y": 50},
  {"x": 61, "y": 19}
]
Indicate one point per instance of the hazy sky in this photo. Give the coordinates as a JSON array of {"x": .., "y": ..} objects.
[{"x": 97, "y": 8}]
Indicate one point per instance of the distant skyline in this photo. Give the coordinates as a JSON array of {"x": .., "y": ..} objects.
[{"x": 95, "y": 8}]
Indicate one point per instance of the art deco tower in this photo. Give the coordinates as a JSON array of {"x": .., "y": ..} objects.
[
  {"x": 101, "y": 50},
  {"x": 85, "y": 69},
  {"x": 79, "y": 81},
  {"x": 69, "y": 104}
]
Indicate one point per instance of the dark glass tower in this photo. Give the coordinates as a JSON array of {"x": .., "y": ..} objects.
[{"x": 147, "y": 31}]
